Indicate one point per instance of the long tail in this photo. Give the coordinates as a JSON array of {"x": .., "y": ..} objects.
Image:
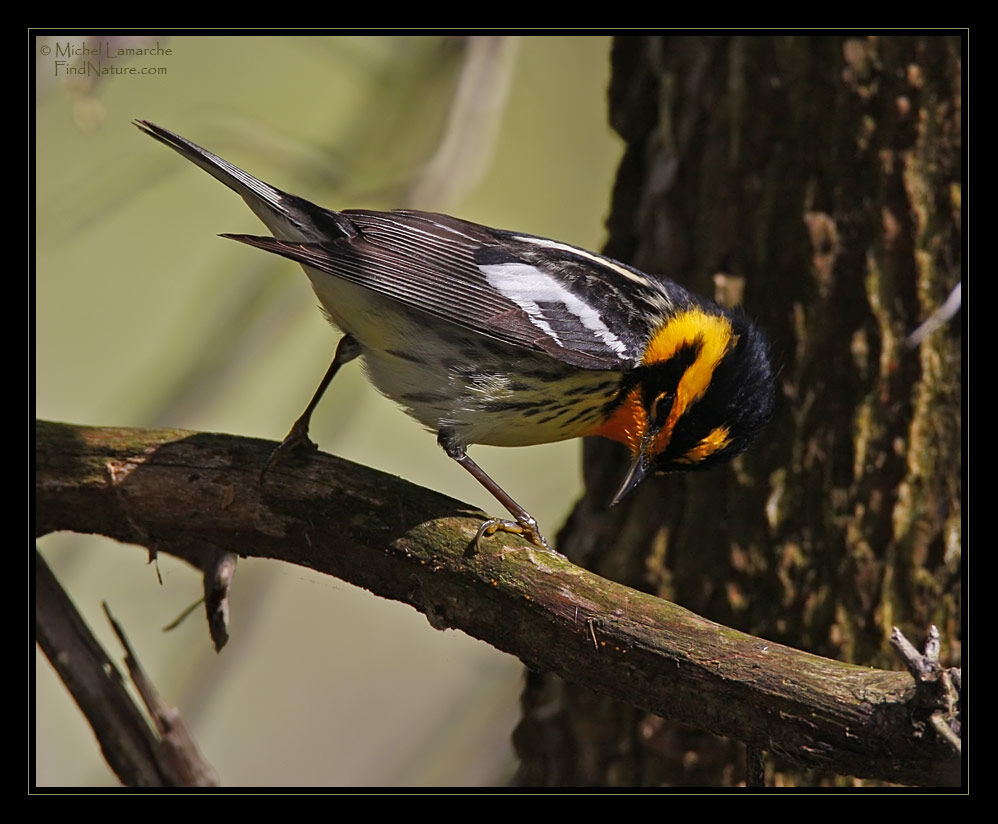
[{"x": 288, "y": 217}]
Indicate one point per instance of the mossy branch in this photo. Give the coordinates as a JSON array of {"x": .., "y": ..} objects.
[{"x": 198, "y": 496}]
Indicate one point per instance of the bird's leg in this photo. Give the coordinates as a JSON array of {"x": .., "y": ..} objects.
[
  {"x": 346, "y": 350},
  {"x": 524, "y": 525}
]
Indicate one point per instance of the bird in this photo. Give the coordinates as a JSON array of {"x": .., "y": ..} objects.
[{"x": 491, "y": 336}]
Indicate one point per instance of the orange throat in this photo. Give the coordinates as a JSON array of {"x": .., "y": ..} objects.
[{"x": 627, "y": 424}]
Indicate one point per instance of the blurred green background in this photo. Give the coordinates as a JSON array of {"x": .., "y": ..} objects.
[{"x": 144, "y": 317}]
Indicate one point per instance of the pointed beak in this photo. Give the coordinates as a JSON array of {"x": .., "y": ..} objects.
[{"x": 636, "y": 474}]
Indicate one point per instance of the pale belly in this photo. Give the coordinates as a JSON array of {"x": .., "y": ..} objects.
[{"x": 482, "y": 390}]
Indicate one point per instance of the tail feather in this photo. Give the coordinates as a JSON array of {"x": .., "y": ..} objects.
[{"x": 287, "y": 216}]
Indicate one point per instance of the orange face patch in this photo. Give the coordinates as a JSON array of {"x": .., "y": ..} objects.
[
  {"x": 627, "y": 424},
  {"x": 717, "y": 439},
  {"x": 712, "y": 337}
]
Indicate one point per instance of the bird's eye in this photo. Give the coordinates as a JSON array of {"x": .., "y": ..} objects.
[{"x": 660, "y": 408}]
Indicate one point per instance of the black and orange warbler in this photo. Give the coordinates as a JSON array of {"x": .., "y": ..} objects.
[{"x": 493, "y": 337}]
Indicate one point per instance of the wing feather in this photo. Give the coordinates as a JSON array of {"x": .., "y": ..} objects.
[{"x": 533, "y": 294}]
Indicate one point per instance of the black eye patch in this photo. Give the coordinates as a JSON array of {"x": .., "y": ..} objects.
[{"x": 661, "y": 379}]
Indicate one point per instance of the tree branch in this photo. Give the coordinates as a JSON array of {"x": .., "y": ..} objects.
[
  {"x": 197, "y": 496},
  {"x": 139, "y": 756}
]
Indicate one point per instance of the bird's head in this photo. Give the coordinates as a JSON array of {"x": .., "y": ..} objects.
[{"x": 700, "y": 395}]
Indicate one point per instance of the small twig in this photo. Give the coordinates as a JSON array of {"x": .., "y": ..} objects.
[
  {"x": 217, "y": 581},
  {"x": 937, "y": 689},
  {"x": 176, "y": 622},
  {"x": 937, "y": 319},
  {"x": 755, "y": 766},
  {"x": 924, "y": 666},
  {"x": 942, "y": 727},
  {"x": 127, "y": 743},
  {"x": 133, "y": 751},
  {"x": 591, "y": 623},
  {"x": 175, "y": 740}
]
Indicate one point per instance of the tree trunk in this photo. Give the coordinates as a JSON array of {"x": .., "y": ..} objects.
[{"x": 818, "y": 181}]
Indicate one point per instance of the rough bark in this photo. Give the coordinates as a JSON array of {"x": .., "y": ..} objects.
[{"x": 820, "y": 179}]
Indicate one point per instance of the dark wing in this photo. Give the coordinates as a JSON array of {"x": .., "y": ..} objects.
[{"x": 578, "y": 307}]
